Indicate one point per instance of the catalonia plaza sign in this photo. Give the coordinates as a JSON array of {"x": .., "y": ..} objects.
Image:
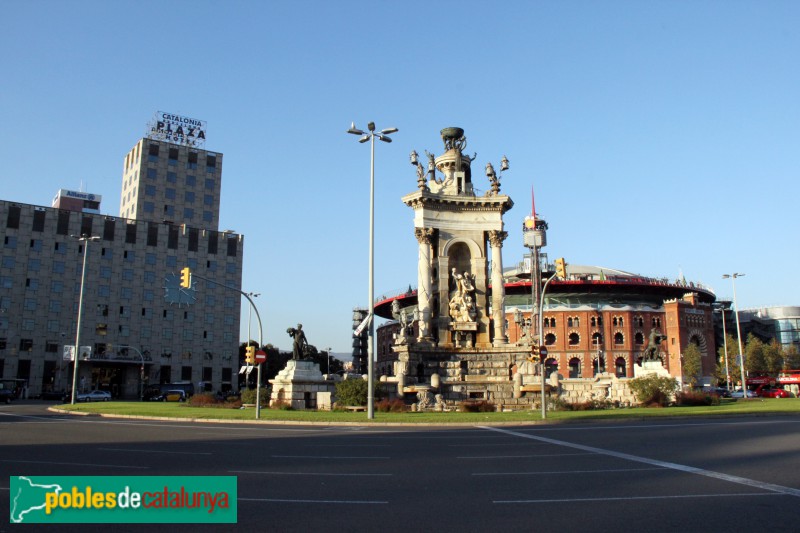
[{"x": 178, "y": 129}]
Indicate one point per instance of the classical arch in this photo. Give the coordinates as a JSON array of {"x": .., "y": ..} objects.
[
  {"x": 697, "y": 338},
  {"x": 472, "y": 246}
]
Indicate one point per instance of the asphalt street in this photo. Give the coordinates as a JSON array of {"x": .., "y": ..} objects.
[{"x": 721, "y": 474}]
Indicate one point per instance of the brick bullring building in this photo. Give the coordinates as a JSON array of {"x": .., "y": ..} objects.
[{"x": 595, "y": 321}]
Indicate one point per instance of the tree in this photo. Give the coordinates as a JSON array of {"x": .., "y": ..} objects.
[
  {"x": 791, "y": 358},
  {"x": 733, "y": 364},
  {"x": 754, "y": 359},
  {"x": 692, "y": 365},
  {"x": 773, "y": 357}
]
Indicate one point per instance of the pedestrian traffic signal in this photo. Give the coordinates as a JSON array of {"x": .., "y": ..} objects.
[
  {"x": 186, "y": 278},
  {"x": 561, "y": 268},
  {"x": 250, "y": 355}
]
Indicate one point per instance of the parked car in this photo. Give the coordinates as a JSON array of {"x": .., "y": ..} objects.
[
  {"x": 722, "y": 392},
  {"x": 6, "y": 395},
  {"x": 94, "y": 396},
  {"x": 174, "y": 396},
  {"x": 740, "y": 394},
  {"x": 773, "y": 392}
]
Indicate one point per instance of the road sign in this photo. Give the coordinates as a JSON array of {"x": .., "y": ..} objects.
[
  {"x": 542, "y": 351},
  {"x": 261, "y": 356}
]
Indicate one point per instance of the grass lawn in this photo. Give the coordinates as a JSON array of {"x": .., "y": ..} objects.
[{"x": 184, "y": 411}]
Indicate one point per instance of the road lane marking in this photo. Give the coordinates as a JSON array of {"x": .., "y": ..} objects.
[
  {"x": 153, "y": 451},
  {"x": 344, "y": 502},
  {"x": 523, "y": 456},
  {"x": 330, "y": 474},
  {"x": 654, "y": 462},
  {"x": 72, "y": 464},
  {"x": 561, "y": 472},
  {"x": 631, "y": 498},
  {"x": 323, "y": 457}
]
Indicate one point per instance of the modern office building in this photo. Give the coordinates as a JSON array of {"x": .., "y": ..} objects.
[{"x": 138, "y": 325}]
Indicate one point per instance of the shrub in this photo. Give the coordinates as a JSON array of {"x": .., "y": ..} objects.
[
  {"x": 208, "y": 399},
  {"x": 653, "y": 390},
  {"x": 481, "y": 406},
  {"x": 353, "y": 392},
  {"x": 391, "y": 406},
  {"x": 203, "y": 399},
  {"x": 281, "y": 405},
  {"x": 590, "y": 405},
  {"x": 694, "y": 398},
  {"x": 249, "y": 396}
]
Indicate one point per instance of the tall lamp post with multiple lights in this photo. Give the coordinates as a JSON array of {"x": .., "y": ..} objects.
[
  {"x": 738, "y": 329},
  {"x": 725, "y": 347},
  {"x": 383, "y": 135},
  {"x": 85, "y": 239}
]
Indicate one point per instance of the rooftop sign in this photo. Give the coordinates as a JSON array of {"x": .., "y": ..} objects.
[{"x": 178, "y": 129}]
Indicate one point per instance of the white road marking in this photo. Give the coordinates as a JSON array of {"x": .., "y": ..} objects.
[
  {"x": 126, "y": 450},
  {"x": 654, "y": 462},
  {"x": 561, "y": 472},
  {"x": 523, "y": 456},
  {"x": 323, "y": 457},
  {"x": 306, "y": 473},
  {"x": 627, "y": 498},
  {"x": 345, "y": 502},
  {"x": 72, "y": 464}
]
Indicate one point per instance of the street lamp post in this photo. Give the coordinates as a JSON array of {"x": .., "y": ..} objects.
[
  {"x": 329, "y": 361},
  {"x": 86, "y": 239},
  {"x": 250, "y": 317},
  {"x": 738, "y": 329},
  {"x": 725, "y": 347},
  {"x": 541, "y": 339},
  {"x": 383, "y": 135}
]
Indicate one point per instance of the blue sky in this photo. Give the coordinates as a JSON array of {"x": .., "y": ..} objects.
[{"x": 660, "y": 136}]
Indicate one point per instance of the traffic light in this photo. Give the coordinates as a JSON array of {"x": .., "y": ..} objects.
[
  {"x": 534, "y": 356},
  {"x": 250, "y": 355},
  {"x": 186, "y": 278},
  {"x": 561, "y": 268}
]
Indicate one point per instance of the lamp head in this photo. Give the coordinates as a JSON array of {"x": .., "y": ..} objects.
[
  {"x": 354, "y": 130},
  {"x": 389, "y": 130},
  {"x": 504, "y": 164},
  {"x": 371, "y": 126},
  {"x": 414, "y": 156},
  {"x": 364, "y": 139},
  {"x": 384, "y": 138}
]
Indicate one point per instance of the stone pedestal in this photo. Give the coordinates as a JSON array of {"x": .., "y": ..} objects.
[
  {"x": 299, "y": 384},
  {"x": 650, "y": 367}
]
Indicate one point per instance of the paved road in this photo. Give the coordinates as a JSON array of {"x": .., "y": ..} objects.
[{"x": 728, "y": 475}]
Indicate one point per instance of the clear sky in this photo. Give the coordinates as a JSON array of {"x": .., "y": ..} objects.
[{"x": 660, "y": 136}]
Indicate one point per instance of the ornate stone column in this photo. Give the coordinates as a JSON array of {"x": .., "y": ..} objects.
[
  {"x": 496, "y": 239},
  {"x": 424, "y": 236}
]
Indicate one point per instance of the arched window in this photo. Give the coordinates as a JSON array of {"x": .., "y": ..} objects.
[
  {"x": 599, "y": 365},
  {"x": 597, "y": 338},
  {"x": 574, "y": 339},
  {"x": 569, "y": 322},
  {"x": 574, "y": 367},
  {"x": 593, "y": 322},
  {"x": 638, "y": 338},
  {"x": 620, "y": 367},
  {"x": 549, "y": 339},
  {"x": 550, "y": 367},
  {"x": 619, "y": 338}
]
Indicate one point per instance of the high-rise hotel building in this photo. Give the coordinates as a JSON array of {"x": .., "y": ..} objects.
[{"x": 139, "y": 326}]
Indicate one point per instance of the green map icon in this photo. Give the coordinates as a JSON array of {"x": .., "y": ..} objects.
[{"x": 28, "y": 498}]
